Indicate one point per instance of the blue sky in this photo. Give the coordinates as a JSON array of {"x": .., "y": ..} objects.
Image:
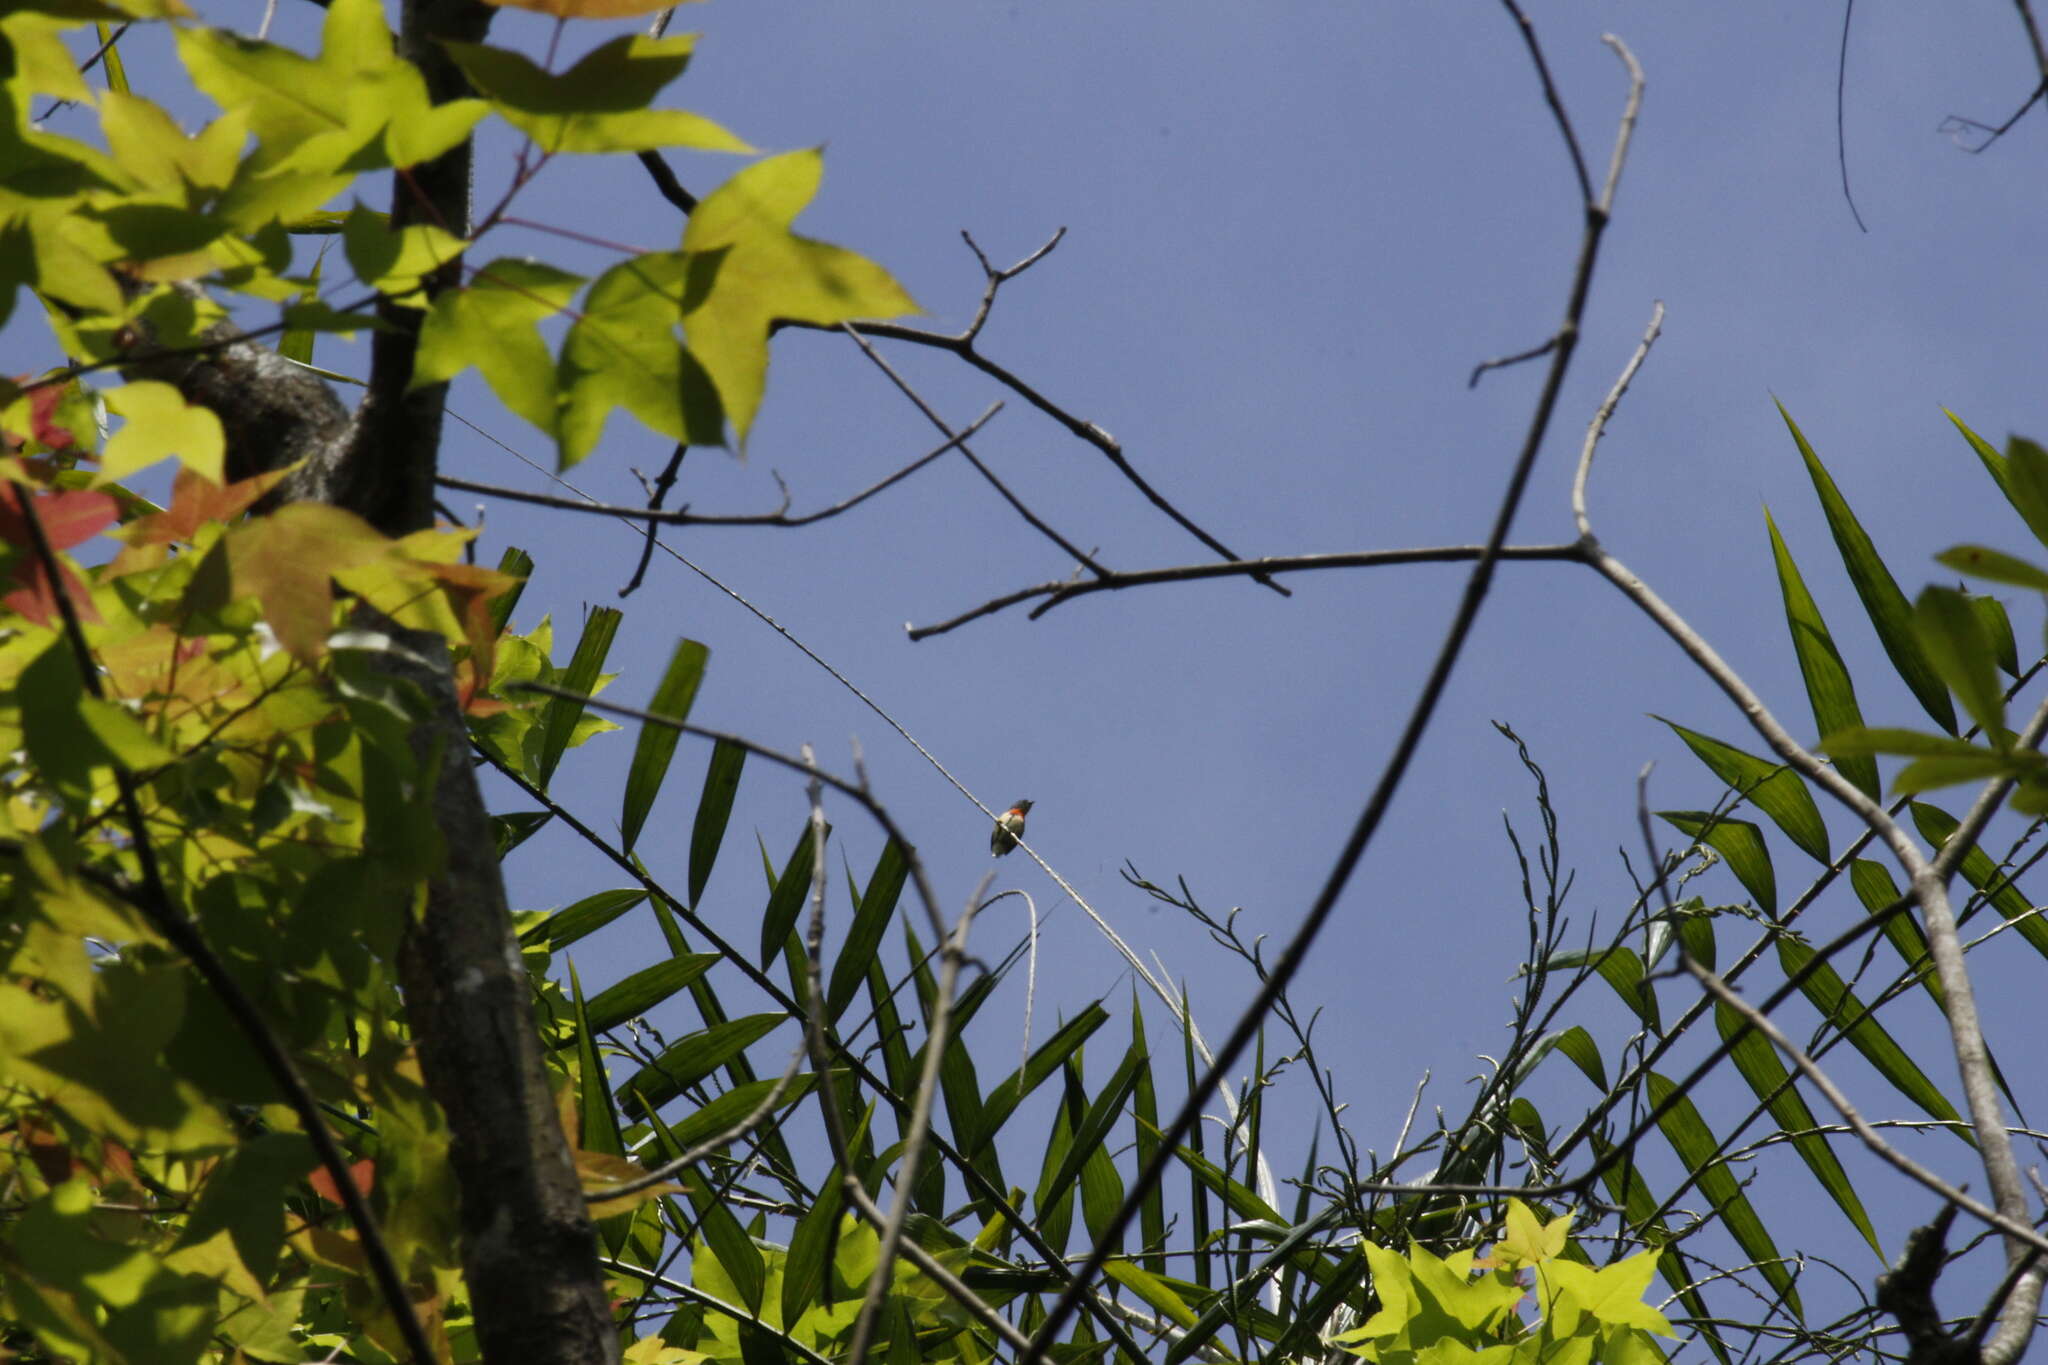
[{"x": 1291, "y": 233}]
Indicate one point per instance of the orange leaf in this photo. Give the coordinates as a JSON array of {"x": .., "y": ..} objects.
[
  {"x": 196, "y": 500},
  {"x": 363, "y": 1174},
  {"x": 287, "y": 561},
  {"x": 67, "y": 518}
]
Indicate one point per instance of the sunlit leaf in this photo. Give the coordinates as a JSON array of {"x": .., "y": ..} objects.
[{"x": 747, "y": 269}]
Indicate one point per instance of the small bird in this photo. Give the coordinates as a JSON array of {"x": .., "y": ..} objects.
[{"x": 1009, "y": 829}]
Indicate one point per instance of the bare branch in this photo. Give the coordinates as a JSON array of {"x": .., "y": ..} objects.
[
  {"x": 1598, "y": 427},
  {"x": 962, "y": 345},
  {"x": 683, "y": 516},
  {"x": 657, "y": 494},
  {"x": 1841, "y": 95},
  {"x": 1068, "y": 589},
  {"x": 932, "y": 416}
]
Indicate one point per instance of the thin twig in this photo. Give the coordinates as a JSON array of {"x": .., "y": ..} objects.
[
  {"x": 652, "y": 514},
  {"x": 1841, "y": 97},
  {"x": 1067, "y": 589},
  {"x": 931, "y": 415},
  {"x": 962, "y": 345},
  {"x": 657, "y": 494},
  {"x": 1598, "y": 426}
]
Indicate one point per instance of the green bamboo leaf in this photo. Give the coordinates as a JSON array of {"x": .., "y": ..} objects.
[
  {"x": 727, "y": 1110},
  {"x": 898, "y": 1068},
  {"x": 1772, "y": 788},
  {"x": 786, "y": 901},
  {"x": 657, "y": 744},
  {"x": 714, "y": 809},
  {"x": 559, "y": 716},
  {"x": 1981, "y": 561},
  {"x": 1056, "y": 1220},
  {"x": 1875, "y": 888},
  {"x": 1829, "y": 691},
  {"x": 1770, "y": 1082},
  {"x": 110, "y": 59},
  {"x": 1697, "y": 1147},
  {"x": 728, "y": 1242},
  {"x": 1198, "y": 1194},
  {"x": 1936, "y": 826},
  {"x": 519, "y": 564},
  {"x": 1878, "y": 739},
  {"x": 1145, "y": 1111},
  {"x": 689, "y": 1060},
  {"x": 597, "y": 1116},
  {"x": 1926, "y": 774},
  {"x": 1741, "y": 846},
  {"x": 1093, "y": 1129},
  {"x": 586, "y": 916},
  {"x": 806, "y": 1281},
  {"x": 1622, "y": 970},
  {"x": 1045, "y": 1061},
  {"x": 1955, "y": 644},
  {"x": 1826, "y": 990},
  {"x": 1581, "y": 1051},
  {"x": 2027, "y": 482},
  {"x": 1995, "y": 465},
  {"x": 645, "y": 989},
  {"x": 1240, "y": 1199},
  {"x": 870, "y": 922},
  {"x": 1886, "y": 605},
  {"x": 1997, "y": 627},
  {"x": 1152, "y": 1290}
]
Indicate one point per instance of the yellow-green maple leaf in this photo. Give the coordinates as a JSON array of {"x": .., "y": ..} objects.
[{"x": 747, "y": 269}]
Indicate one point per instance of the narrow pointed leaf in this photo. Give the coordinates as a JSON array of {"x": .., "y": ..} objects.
[
  {"x": 1696, "y": 1146},
  {"x": 1145, "y": 1113},
  {"x": 1579, "y": 1048},
  {"x": 1886, "y": 605},
  {"x": 1936, "y": 826},
  {"x": 2027, "y": 470},
  {"x": 691, "y": 1059},
  {"x": 1955, "y": 644},
  {"x": 586, "y": 916},
  {"x": 645, "y": 989},
  {"x": 1772, "y": 788},
  {"x": 1045, "y": 1061},
  {"x": 1826, "y": 990},
  {"x": 1981, "y": 561},
  {"x": 1770, "y": 1082},
  {"x": 786, "y": 901},
  {"x": 864, "y": 935},
  {"x": 714, "y": 809},
  {"x": 1829, "y": 692},
  {"x": 1741, "y": 846},
  {"x": 657, "y": 743},
  {"x": 1875, "y": 888},
  {"x": 559, "y": 718}
]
